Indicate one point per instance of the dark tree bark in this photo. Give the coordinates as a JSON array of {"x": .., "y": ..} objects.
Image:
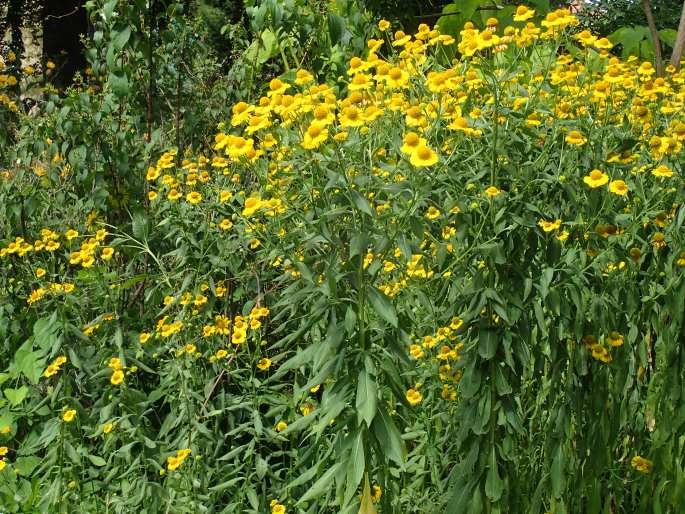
[
  {"x": 647, "y": 7},
  {"x": 679, "y": 40}
]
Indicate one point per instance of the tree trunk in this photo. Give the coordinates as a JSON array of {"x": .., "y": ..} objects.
[
  {"x": 679, "y": 41},
  {"x": 647, "y": 7}
]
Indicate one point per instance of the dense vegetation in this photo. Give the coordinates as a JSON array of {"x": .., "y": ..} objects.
[{"x": 300, "y": 261}]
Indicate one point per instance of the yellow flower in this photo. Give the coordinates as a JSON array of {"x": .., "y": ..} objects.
[
  {"x": 107, "y": 254},
  {"x": 117, "y": 377},
  {"x": 306, "y": 409},
  {"x": 423, "y": 156},
  {"x": 70, "y": 234},
  {"x": 523, "y": 13},
  {"x": 562, "y": 236},
  {"x": 3, "y": 451},
  {"x": 662, "y": 171},
  {"x": 173, "y": 463},
  {"x": 152, "y": 196},
  {"x": 238, "y": 336},
  {"x": 107, "y": 428},
  {"x": 618, "y": 187},
  {"x": 315, "y": 135},
  {"x": 144, "y": 337},
  {"x": 226, "y": 224},
  {"x": 281, "y": 426},
  {"x": 2, "y": 464},
  {"x": 383, "y": 25},
  {"x": 549, "y": 226},
  {"x": 194, "y": 197},
  {"x": 152, "y": 174},
  {"x": 575, "y": 138},
  {"x": 615, "y": 338},
  {"x": 69, "y": 415},
  {"x": 641, "y": 464},
  {"x": 604, "y": 44},
  {"x": 492, "y": 191},
  {"x": 432, "y": 213},
  {"x": 411, "y": 142},
  {"x": 414, "y": 397},
  {"x": 596, "y": 179},
  {"x": 40, "y": 272},
  {"x": 264, "y": 364}
]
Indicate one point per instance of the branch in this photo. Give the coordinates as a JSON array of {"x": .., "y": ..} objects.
[
  {"x": 647, "y": 7},
  {"x": 679, "y": 40}
]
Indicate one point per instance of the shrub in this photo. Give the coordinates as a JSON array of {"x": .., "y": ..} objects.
[{"x": 434, "y": 284}]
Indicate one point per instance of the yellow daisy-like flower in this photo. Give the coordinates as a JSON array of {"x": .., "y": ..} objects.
[
  {"x": 69, "y": 415},
  {"x": 641, "y": 464},
  {"x": 411, "y": 142},
  {"x": 596, "y": 179},
  {"x": 383, "y": 25},
  {"x": 281, "y": 426},
  {"x": 117, "y": 377},
  {"x": 662, "y": 171},
  {"x": 264, "y": 364},
  {"x": 618, "y": 187},
  {"x": 423, "y": 156},
  {"x": 414, "y": 397},
  {"x": 523, "y": 13},
  {"x": 615, "y": 338},
  {"x": 432, "y": 213},
  {"x": 194, "y": 198},
  {"x": 549, "y": 226},
  {"x": 575, "y": 138},
  {"x": 226, "y": 224},
  {"x": 316, "y": 134},
  {"x": 40, "y": 272},
  {"x": 492, "y": 191}
]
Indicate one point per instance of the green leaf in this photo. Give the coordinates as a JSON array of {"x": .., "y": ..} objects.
[
  {"x": 268, "y": 47},
  {"x": 557, "y": 473},
  {"x": 118, "y": 84},
  {"x": 668, "y": 36},
  {"x": 383, "y": 306},
  {"x": 388, "y": 436},
  {"x": 488, "y": 342},
  {"x": 261, "y": 467},
  {"x": 29, "y": 363},
  {"x": 121, "y": 38},
  {"x": 362, "y": 203},
  {"x": 336, "y": 27},
  {"x": 355, "y": 465},
  {"x": 16, "y": 396},
  {"x": 97, "y": 461},
  {"x": 493, "y": 483},
  {"x": 26, "y": 465},
  {"x": 322, "y": 485},
  {"x": 367, "y": 397}
]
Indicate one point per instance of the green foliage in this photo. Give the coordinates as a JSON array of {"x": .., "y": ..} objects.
[
  {"x": 608, "y": 16},
  {"x": 392, "y": 286}
]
